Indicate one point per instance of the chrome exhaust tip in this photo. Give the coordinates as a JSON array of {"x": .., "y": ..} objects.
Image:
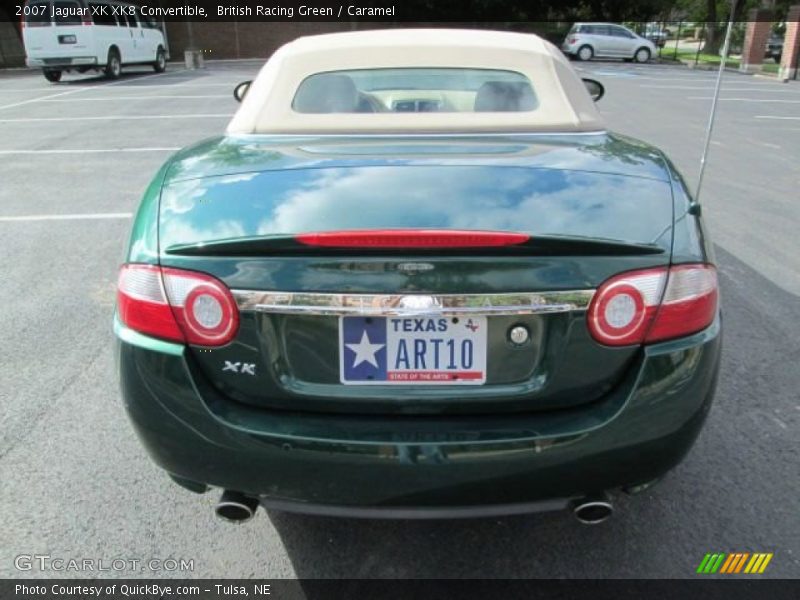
[
  {"x": 592, "y": 510},
  {"x": 235, "y": 507}
]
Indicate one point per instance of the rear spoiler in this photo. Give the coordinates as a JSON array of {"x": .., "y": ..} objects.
[{"x": 416, "y": 241}]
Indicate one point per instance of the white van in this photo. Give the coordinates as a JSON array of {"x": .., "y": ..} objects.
[{"x": 67, "y": 35}]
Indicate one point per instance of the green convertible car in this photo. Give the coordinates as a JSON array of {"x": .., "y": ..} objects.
[{"x": 418, "y": 278}]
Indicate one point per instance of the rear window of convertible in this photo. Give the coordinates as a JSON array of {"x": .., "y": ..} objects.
[{"x": 448, "y": 90}]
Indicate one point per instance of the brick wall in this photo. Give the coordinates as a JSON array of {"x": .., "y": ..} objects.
[
  {"x": 791, "y": 44},
  {"x": 223, "y": 40},
  {"x": 12, "y": 54},
  {"x": 755, "y": 40}
]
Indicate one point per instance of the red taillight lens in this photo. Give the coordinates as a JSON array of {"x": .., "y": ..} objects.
[
  {"x": 653, "y": 305},
  {"x": 142, "y": 304},
  {"x": 177, "y": 305},
  {"x": 689, "y": 304},
  {"x": 572, "y": 40},
  {"x": 624, "y": 306},
  {"x": 203, "y": 305},
  {"x": 411, "y": 238}
]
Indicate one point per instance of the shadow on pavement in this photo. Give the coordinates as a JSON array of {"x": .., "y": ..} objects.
[{"x": 707, "y": 503}]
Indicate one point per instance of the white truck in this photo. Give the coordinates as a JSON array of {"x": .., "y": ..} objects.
[{"x": 83, "y": 35}]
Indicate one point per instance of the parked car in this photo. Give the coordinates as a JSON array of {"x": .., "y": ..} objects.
[
  {"x": 586, "y": 41},
  {"x": 426, "y": 283},
  {"x": 657, "y": 34},
  {"x": 80, "y": 35},
  {"x": 774, "y": 48}
]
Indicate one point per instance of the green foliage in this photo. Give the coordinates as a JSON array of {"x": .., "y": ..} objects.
[
  {"x": 698, "y": 10},
  {"x": 499, "y": 11}
]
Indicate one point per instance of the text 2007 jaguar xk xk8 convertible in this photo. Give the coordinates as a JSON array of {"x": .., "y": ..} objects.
[{"x": 417, "y": 277}]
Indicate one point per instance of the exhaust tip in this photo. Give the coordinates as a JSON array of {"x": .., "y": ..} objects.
[
  {"x": 592, "y": 511},
  {"x": 235, "y": 507}
]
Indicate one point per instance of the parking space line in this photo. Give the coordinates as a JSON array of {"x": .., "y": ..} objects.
[
  {"x": 229, "y": 96},
  {"x": 759, "y": 100},
  {"x": 116, "y": 118},
  {"x": 777, "y": 117},
  {"x": 66, "y": 217},
  {"x": 90, "y": 150},
  {"x": 40, "y": 98},
  {"x": 697, "y": 79},
  {"x": 769, "y": 88},
  {"x": 81, "y": 89},
  {"x": 161, "y": 87}
]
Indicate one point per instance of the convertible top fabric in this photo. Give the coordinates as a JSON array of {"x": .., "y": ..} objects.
[{"x": 564, "y": 104}]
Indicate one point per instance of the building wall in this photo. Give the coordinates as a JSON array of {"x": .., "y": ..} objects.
[{"x": 12, "y": 54}]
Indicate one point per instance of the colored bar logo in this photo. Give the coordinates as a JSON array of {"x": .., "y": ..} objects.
[{"x": 735, "y": 562}]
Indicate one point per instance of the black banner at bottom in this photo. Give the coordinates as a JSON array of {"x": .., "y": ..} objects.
[{"x": 406, "y": 589}]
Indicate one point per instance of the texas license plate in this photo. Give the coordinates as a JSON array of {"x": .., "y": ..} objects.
[{"x": 412, "y": 350}]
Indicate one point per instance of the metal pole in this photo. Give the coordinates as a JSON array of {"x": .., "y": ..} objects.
[
  {"x": 166, "y": 37},
  {"x": 699, "y": 46},
  {"x": 711, "y": 116},
  {"x": 190, "y": 35}
]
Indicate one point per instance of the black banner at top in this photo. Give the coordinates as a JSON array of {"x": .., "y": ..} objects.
[{"x": 397, "y": 11}]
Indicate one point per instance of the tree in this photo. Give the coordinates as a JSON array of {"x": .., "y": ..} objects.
[
  {"x": 712, "y": 43},
  {"x": 711, "y": 11}
]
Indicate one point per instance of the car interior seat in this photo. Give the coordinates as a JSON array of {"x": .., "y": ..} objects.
[{"x": 504, "y": 96}]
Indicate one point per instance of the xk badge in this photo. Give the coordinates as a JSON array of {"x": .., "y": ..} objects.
[{"x": 240, "y": 367}]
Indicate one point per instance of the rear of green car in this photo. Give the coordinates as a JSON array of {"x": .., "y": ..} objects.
[{"x": 418, "y": 327}]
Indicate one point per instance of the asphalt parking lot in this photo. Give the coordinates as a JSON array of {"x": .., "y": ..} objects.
[{"x": 74, "y": 159}]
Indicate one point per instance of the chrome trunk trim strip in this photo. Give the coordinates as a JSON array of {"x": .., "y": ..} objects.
[{"x": 406, "y": 305}]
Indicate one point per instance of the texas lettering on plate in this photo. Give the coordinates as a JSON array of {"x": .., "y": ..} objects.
[{"x": 412, "y": 350}]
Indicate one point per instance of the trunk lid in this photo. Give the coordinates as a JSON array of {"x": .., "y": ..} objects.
[{"x": 594, "y": 206}]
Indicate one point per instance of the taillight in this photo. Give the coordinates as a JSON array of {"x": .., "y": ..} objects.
[
  {"x": 203, "y": 305},
  {"x": 177, "y": 305},
  {"x": 653, "y": 305},
  {"x": 87, "y": 20},
  {"x": 572, "y": 40},
  {"x": 624, "y": 306},
  {"x": 142, "y": 304},
  {"x": 689, "y": 304},
  {"x": 412, "y": 238}
]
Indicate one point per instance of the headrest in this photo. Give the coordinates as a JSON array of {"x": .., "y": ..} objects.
[
  {"x": 504, "y": 96},
  {"x": 326, "y": 93}
]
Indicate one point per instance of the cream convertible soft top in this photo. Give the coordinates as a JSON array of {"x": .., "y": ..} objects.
[{"x": 564, "y": 104}]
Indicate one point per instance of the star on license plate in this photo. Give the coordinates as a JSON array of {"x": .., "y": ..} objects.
[{"x": 412, "y": 350}]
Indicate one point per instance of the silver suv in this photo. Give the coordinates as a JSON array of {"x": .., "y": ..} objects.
[{"x": 586, "y": 41}]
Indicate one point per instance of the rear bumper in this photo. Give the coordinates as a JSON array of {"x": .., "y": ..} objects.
[
  {"x": 61, "y": 63},
  {"x": 420, "y": 466}
]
